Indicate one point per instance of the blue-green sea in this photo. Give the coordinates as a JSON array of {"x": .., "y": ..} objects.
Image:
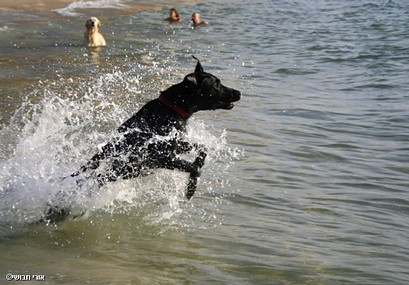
[{"x": 306, "y": 179}]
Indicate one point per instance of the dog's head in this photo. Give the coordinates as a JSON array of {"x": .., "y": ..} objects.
[
  {"x": 197, "y": 92},
  {"x": 93, "y": 24},
  {"x": 207, "y": 92}
]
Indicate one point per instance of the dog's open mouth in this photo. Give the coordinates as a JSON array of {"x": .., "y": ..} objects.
[{"x": 229, "y": 103}]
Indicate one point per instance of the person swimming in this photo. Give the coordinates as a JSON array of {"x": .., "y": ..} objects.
[
  {"x": 197, "y": 21},
  {"x": 173, "y": 16}
]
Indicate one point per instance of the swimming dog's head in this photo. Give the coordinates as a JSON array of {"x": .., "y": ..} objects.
[
  {"x": 201, "y": 91},
  {"x": 93, "y": 24}
]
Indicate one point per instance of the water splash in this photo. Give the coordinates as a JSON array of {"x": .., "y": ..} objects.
[{"x": 58, "y": 128}]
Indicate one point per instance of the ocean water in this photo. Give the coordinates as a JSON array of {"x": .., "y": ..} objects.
[{"x": 306, "y": 180}]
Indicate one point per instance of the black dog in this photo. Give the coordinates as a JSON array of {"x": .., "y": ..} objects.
[{"x": 135, "y": 151}]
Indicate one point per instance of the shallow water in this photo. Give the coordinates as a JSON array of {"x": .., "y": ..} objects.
[{"x": 307, "y": 177}]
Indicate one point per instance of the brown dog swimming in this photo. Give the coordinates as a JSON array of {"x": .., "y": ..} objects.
[{"x": 92, "y": 36}]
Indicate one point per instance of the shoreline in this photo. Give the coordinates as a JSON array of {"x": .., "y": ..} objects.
[
  {"x": 52, "y": 8},
  {"x": 40, "y": 5}
]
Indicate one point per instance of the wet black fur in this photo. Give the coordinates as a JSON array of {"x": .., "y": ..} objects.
[{"x": 135, "y": 152}]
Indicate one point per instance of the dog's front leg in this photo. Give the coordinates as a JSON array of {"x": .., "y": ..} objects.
[
  {"x": 172, "y": 162},
  {"x": 193, "y": 177},
  {"x": 184, "y": 147},
  {"x": 191, "y": 186}
]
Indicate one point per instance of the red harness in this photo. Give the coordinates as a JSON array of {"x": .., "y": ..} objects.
[{"x": 181, "y": 112}]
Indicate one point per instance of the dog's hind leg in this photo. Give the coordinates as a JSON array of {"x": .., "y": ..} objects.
[
  {"x": 54, "y": 214},
  {"x": 61, "y": 206}
]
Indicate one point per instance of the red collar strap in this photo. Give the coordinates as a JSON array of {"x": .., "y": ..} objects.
[{"x": 181, "y": 112}]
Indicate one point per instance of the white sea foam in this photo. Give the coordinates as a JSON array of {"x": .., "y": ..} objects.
[
  {"x": 4, "y": 29},
  {"x": 73, "y": 9}
]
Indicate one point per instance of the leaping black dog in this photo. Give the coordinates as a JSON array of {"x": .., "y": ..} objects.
[{"x": 135, "y": 151}]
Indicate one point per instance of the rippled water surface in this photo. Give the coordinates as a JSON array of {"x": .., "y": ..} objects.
[{"x": 306, "y": 180}]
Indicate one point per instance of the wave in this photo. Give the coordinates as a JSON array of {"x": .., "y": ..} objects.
[{"x": 73, "y": 8}]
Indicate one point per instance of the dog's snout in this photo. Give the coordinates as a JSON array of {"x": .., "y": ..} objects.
[
  {"x": 236, "y": 95},
  {"x": 91, "y": 23}
]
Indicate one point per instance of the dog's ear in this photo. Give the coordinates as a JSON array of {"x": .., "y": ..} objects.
[
  {"x": 199, "y": 68},
  {"x": 192, "y": 79}
]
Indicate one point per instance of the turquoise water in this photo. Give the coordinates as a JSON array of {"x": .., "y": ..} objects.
[{"x": 307, "y": 177}]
